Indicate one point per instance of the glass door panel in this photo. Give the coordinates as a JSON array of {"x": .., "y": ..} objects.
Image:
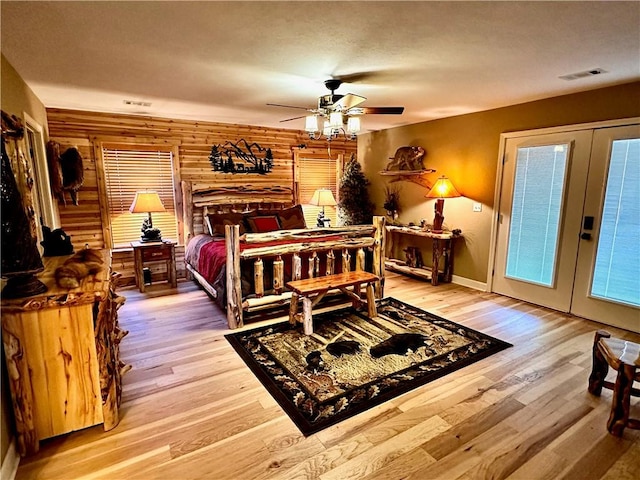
[
  {"x": 536, "y": 211},
  {"x": 607, "y": 277},
  {"x": 542, "y": 192}
]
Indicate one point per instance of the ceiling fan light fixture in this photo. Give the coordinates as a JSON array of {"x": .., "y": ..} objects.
[
  {"x": 311, "y": 124},
  {"x": 353, "y": 125},
  {"x": 335, "y": 120}
]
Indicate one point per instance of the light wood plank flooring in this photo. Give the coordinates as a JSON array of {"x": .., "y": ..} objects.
[{"x": 192, "y": 409}]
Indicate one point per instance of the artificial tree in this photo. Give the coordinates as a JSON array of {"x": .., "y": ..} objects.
[{"x": 354, "y": 207}]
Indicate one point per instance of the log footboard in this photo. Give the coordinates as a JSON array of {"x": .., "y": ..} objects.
[{"x": 347, "y": 245}]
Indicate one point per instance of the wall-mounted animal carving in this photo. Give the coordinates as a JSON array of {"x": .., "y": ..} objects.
[{"x": 407, "y": 158}]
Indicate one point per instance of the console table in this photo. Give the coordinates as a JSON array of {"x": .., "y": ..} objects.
[{"x": 442, "y": 244}]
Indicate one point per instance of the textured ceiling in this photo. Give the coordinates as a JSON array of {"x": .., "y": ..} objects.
[{"x": 224, "y": 61}]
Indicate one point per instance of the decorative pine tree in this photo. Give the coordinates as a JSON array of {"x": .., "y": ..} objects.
[{"x": 354, "y": 207}]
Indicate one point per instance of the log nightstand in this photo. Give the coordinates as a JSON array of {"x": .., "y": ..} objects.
[{"x": 148, "y": 252}]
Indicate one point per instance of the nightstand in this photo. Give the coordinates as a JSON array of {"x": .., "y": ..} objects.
[{"x": 147, "y": 252}]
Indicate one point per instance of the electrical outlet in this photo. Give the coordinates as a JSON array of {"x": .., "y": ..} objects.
[{"x": 477, "y": 207}]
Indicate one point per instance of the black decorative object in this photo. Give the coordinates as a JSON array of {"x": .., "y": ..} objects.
[
  {"x": 20, "y": 257},
  {"x": 235, "y": 158},
  {"x": 56, "y": 243}
]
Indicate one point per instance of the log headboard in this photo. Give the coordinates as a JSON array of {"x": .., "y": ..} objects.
[{"x": 199, "y": 196}]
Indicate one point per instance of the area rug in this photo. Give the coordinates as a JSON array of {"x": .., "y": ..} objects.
[{"x": 352, "y": 363}]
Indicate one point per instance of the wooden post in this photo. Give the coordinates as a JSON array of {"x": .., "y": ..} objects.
[
  {"x": 331, "y": 259},
  {"x": 360, "y": 260},
  {"x": 187, "y": 211},
  {"x": 314, "y": 263},
  {"x": 278, "y": 275},
  {"x": 379, "y": 253},
  {"x": 293, "y": 309},
  {"x": 307, "y": 306},
  {"x": 346, "y": 261},
  {"x": 234, "y": 288},
  {"x": 258, "y": 277},
  {"x": 371, "y": 302},
  {"x": 296, "y": 267}
]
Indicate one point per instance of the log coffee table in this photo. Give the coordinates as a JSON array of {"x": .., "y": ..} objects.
[{"x": 312, "y": 290}]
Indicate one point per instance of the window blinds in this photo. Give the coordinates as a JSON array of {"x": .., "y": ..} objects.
[
  {"x": 317, "y": 173},
  {"x": 128, "y": 170}
]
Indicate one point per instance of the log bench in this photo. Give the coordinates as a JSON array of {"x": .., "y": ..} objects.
[{"x": 312, "y": 290}]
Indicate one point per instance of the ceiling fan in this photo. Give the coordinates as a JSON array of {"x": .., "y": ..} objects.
[{"x": 334, "y": 108}]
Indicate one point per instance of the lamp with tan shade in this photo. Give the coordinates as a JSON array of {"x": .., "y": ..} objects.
[
  {"x": 442, "y": 189},
  {"x": 323, "y": 197},
  {"x": 148, "y": 202}
]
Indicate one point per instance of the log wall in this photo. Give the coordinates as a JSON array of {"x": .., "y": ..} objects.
[{"x": 85, "y": 130}]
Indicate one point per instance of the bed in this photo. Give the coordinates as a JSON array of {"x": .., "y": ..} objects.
[{"x": 241, "y": 249}]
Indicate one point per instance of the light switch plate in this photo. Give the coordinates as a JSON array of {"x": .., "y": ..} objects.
[{"x": 477, "y": 207}]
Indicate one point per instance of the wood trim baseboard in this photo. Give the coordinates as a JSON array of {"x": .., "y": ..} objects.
[
  {"x": 467, "y": 282},
  {"x": 10, "y": 462}
]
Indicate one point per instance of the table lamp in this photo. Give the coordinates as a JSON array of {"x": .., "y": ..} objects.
[
  {"x": 148, "y": 202},
  {"x": 443, "y": 188},
  {"x": 323, "y": 197}
]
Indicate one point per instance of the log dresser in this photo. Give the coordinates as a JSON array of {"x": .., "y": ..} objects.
[{"x": 62, "y": 355}]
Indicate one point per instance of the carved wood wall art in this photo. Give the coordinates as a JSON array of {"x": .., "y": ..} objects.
[{"x": 240, "y": 157}]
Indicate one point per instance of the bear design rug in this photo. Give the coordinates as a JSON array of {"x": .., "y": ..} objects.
[{"x": 352, "y": 363}]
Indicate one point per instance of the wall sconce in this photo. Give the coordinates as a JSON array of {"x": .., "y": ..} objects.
[
  {"x": 323, "y": 197},
  {"x": 148, "y": 202},
  {"x": 443, "y": 188}
]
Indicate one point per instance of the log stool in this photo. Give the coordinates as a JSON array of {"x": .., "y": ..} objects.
[
  {"x": 624, "y": 357},
  {"x": 312, "y": 290}
]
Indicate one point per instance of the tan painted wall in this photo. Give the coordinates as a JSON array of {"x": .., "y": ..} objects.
[
  {"x": 17, "y": 98},
  {"x": 465, "y": 148}
]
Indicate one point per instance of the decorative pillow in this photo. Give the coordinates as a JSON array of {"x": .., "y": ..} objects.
[
  {"x": 217, "y": 221},
  {"x": 291, "y": 218},
  {"x": 265, "y": 223}
]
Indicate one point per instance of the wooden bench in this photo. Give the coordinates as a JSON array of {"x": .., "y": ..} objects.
[
  {"x": 312, "y": 290},
  {"x": 624, "y": 357}
]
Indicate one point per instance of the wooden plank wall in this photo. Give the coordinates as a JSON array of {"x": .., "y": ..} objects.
[{"x": 80, "y": 129}]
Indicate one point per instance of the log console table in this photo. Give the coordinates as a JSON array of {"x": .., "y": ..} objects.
[
  {"x": 442, "y": 246},
  {"x": 62, "y": 354}
]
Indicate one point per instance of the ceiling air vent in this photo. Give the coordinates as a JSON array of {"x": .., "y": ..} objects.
[
  {"x": 137, "y": 103},
  {"x": 586, "y": 73}
]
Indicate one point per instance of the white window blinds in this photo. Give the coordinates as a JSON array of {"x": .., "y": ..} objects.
[
  {"x": 317, "y": 173},
  {"x": 132, "y": 169}
]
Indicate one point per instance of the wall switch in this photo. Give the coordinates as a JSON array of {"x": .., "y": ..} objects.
[{"x": 477, "y": 207}]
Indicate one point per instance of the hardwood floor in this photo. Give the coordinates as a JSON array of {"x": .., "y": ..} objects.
[{"x": 192, "y": 409}]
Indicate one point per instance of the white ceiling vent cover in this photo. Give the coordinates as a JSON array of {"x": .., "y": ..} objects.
[{"x": 586, "y": 73}]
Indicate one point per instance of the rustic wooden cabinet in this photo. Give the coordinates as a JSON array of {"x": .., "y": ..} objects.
[
  {"x": 62, "y": 354},
  {"x": 144, "y": 253}
]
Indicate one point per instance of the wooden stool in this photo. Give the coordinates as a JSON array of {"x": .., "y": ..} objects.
[
  {"x": 624, "y": 357},
  {"x": 312, "y": 290}
]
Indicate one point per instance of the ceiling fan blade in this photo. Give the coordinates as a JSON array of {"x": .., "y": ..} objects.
[
  {"x": 348, "y": 101},
  {"x": 293, "y": 118},
  {"x": 382, "y": 110},
  {"x": 286, "y": 106}
]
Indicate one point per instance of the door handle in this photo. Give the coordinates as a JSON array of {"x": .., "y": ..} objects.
[{"x": 585, "y": 236}]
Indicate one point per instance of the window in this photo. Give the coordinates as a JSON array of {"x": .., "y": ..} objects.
[
  {"x": 535, "y": 215},
  {"x": 128, "y": 169},
  {"x": 617, "y": 261},
  {"x": 315, "y": 171}
]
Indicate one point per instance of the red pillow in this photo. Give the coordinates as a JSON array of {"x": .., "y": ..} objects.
[{"x": 267, "y": 223}]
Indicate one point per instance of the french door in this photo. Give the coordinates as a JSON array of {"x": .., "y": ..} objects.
[{"x": 568, "y": 234}]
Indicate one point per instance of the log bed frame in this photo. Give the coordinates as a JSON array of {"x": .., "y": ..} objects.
[{"x": 351, "y": 243}]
